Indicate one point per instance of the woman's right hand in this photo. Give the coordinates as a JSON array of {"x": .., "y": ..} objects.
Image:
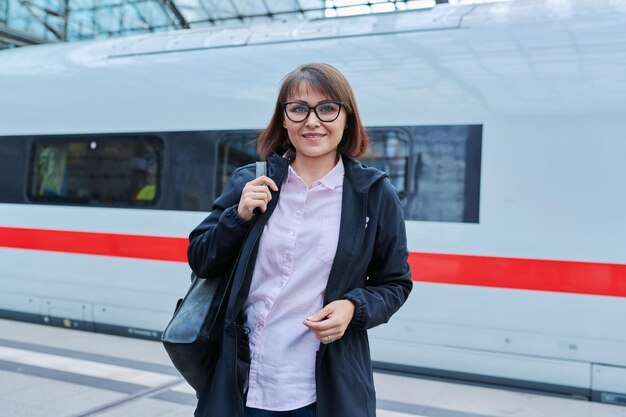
[{"x": 255, "y": 194}]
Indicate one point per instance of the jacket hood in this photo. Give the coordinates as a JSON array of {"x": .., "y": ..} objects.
[{"x": 362, "y": 176}]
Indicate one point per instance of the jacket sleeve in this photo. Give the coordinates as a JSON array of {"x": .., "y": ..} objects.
[
  {"x": 216, "y": 241},
  {"x": 389, "y": 274}
]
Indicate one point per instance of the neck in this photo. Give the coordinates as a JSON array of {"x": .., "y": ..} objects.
[{"x": 312, "y": 169}]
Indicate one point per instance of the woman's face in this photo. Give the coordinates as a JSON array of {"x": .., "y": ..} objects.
[{"x": 312, "y": 138}]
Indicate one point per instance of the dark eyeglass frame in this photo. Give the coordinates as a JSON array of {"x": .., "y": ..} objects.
[{"x": 314, "y": 109}]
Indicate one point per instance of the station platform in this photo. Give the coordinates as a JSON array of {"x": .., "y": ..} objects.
[{"x": 54, "y": 372}]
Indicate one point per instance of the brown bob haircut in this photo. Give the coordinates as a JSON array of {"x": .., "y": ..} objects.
[{"x": 327, "y": 81}]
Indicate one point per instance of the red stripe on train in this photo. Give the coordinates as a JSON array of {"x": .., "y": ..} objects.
[
  {"x": 484, "y": 271},
  {"x": 524, "y": 274},
  {"x": 107, "y": 244}
]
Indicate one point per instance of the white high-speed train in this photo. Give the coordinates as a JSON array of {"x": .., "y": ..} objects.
[{"x": 501, "y": 125}]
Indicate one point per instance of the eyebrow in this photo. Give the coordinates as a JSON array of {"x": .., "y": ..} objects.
[{"x": 319, "y": 102}]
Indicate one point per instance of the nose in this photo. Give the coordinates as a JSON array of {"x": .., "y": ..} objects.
[{"x": 312, "y": 119}]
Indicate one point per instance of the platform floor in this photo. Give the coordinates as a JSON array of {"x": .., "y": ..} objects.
[{"x": 54, "y": 372}]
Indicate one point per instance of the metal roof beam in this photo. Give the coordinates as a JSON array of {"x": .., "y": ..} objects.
[
  {"x": 30, "y": 6},
  {"x": 171, "y": 5},
  {"x": 17, "y": 37},
  {"x": 139, "y": 14}
]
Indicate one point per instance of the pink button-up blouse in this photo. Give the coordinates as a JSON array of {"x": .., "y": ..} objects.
[{"x": 296, "y": 252}]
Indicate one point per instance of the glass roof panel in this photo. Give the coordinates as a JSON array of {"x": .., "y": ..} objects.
[
  {"x": 219, "y": 9},
  {"x": 282, "y": 6},
  {"x": 61, "y": 20},
  {"x": 250, "y": 8},
  {"x": 193, "y": 10}
]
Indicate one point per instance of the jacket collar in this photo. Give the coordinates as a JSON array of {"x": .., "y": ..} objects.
[
  {"x": 277, "y": 167},
  {"x": 361, "y": 177}
]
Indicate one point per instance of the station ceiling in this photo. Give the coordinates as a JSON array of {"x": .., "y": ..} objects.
[{"x": 24, "y": 22}]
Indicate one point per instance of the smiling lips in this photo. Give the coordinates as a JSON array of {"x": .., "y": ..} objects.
[{"x": 313, "y": 136}]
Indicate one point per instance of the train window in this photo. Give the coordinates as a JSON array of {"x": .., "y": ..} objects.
[
  {"x": 389, "y": 151},
  {"x": 236, "y": 149},
  {"x": 99, "y": 171},
  {"x": 436, "y": 169}
]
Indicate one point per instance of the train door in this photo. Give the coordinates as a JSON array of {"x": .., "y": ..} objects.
[{"x": 235, "y": 149}]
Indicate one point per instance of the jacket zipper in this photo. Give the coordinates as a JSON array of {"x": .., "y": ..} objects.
[{"x": 236, "y": 293}]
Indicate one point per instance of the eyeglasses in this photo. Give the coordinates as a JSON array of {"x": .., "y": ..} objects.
[{"x": 326, "y": 111}]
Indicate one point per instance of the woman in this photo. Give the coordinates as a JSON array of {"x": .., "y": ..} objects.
[{"x": 324, "y": 260}]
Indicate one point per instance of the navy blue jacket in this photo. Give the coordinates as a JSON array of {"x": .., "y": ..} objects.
[{"x": 370, "y": 269}]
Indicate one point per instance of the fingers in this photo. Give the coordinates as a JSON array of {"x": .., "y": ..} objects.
[
  {"x": 321, "y": 315},
  {"x": 330, "y": 323},
  {"x": 326, "y": 331},
  {"x": 264, "y": 180},
  {"x": 326, "y": 327},
  {"x": 329, "y": 335},
  {"x": 255, "y": 195}
]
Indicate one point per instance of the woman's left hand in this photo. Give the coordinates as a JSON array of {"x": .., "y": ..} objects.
[{"x": 330, "y": 323}]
